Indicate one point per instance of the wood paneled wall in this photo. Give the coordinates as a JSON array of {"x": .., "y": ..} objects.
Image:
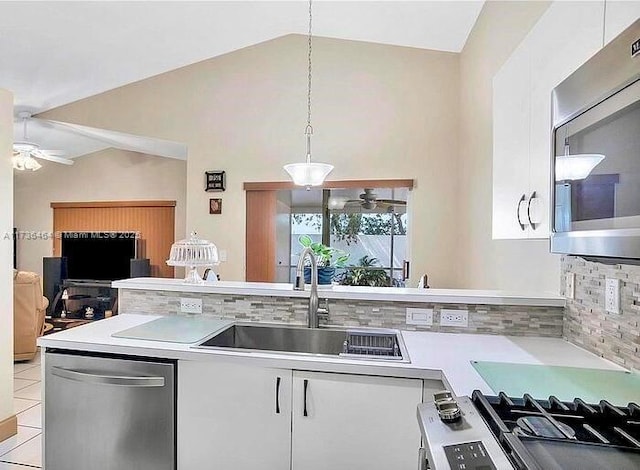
[
  {"x": 154, "y": 220},
  {"x": 261, "y": 236}
]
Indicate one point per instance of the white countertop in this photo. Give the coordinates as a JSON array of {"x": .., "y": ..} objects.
[
  {"x": 407, "y": 294},
  {"x": 439, "y": 356}
]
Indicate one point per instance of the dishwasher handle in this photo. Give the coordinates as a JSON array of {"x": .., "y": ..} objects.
[{"x": 104, "y": 379}]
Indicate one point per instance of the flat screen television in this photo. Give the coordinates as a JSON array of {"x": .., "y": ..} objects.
[{"x": 102, "y": 256}]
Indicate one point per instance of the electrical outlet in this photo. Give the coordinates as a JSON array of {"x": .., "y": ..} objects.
[
  {"x": 222, "y": 256},
  {"x": 612, "y": 295},
  {"x": 570, "y": 286},
  {"x": 450, "y": 317},
  {"x": 420, "y": 316},
  {"x": 190, "y": 305}
]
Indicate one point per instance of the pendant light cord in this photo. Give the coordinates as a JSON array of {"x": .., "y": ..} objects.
[{"x": 309, "y": 129}]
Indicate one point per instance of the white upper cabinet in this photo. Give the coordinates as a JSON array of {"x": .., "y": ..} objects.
[
  {"x": 565, "y": 37},
  {"x": 619, "y": 15},
  {"x": 511, "y": 113}
]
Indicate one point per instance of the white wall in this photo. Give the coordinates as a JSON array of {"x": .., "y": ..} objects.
[
  {"x": 109, "y": 175},
  {"x": 378, "y": 112},
  {"x": 6, "y": 256},
  {"x": 486, "y": 263}
]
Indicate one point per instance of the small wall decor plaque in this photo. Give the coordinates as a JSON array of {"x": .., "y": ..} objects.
[
  {"x": 215, "y": 206},
  {"x": 215, "y": 181}
]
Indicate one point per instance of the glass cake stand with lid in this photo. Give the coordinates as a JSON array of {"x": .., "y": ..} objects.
[{"x": 192, "y": 253}]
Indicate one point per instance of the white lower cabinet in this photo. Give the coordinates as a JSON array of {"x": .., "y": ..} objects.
[
  {"x": 228, "y": 417},
  {"x": 354, "y": 422},
  {"x": 239, "y": 417}
]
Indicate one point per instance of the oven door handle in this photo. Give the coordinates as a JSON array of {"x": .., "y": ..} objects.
[{"x": 423, "y": 463}]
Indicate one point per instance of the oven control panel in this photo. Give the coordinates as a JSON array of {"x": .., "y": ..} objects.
[
  {"x": 468, "y": 456},
  {"x": 465, "y": 444}
]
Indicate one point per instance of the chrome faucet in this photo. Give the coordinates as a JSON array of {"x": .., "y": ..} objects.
[{"x": 314, "y": 312}]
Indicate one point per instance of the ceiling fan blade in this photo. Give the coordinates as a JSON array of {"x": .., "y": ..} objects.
[
  {"x": 52, "y": 158},
  {"x": 55, "y": 153},
  {"x": 392, "y": 202},
  {"x": 121, "y": 140}
]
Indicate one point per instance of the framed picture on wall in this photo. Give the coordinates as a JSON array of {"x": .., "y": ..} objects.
[
  {"x": 215, "y": 206},
  {"x": 215, "y": 181}
]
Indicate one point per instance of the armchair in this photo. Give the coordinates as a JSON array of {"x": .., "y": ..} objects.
[{"x": 29, "y": 306}]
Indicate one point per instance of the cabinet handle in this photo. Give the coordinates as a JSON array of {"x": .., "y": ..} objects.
[
  {"x": 306, "y": 385},
  {"x": 522, "y": 199},
  {"x": 533, "y": 195},
  {"x": 278, "y": 395}
]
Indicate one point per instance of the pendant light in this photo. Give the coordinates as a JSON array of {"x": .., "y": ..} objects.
[
  {"x": 308, "y": 173},
  {"x": 575, "y": 167}
]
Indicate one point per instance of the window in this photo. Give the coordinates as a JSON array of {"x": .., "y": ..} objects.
[{"x": 370, "y": 225}]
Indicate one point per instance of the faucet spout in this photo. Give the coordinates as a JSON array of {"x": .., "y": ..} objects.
[{"x": 313, "y": 320}]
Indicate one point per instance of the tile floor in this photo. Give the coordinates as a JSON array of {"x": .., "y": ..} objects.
[{"x": 24, "y": 450}]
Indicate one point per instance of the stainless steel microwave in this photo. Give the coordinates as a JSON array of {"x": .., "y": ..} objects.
[{"x": 596, "y": 154}]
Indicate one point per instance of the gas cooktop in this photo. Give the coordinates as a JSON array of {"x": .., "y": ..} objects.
[
  {"x": 551, "y": 434},
  {"x": 501, "y": 432}
]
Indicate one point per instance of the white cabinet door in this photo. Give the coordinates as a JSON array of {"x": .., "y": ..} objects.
[
  {"x": 619, "y": 15},
  {"x": 354, "y": 422},
  {"x": 233, "y": 417},
  {"x": 511, "y": 98},
  {"x": 564, "y": 38}
]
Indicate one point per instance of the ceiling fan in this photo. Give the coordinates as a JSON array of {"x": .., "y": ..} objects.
[
  {"x": 26, "y": 154},
  {"x": 367, "y": 200}
]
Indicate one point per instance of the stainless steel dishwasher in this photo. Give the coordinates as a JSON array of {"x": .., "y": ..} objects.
[{"x": 108, "y": 413}]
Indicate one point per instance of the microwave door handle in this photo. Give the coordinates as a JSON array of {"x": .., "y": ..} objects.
[
  {"x": 104, "y": 379},
  {"x": 522, "y": 199}
]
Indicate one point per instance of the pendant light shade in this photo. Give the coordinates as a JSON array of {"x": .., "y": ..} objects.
[
  {"x": 576, "y": 167},
  {"x": 308, "y": 173}
]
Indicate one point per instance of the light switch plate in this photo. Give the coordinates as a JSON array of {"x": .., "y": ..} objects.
[
  {"x": 612, "y": 295},
  {"x": 420, "y": 316},
  {"x": 451, "y": 317},
  {"x": 570, "y": 286},
  {"x": 190, "y": 305}
]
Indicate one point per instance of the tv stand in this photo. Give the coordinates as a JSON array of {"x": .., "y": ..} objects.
[{"x": 83, "y": 294}]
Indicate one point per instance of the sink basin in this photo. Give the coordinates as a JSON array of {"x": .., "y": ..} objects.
[{"x": 360, "y": 343}]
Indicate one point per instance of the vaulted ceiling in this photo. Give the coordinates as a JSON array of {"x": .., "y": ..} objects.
[{"x": 53, "y": 53}]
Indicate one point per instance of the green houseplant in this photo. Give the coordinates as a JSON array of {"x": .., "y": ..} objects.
[
  {"x": 327, "y": 259},
  {"x": 367, "y": 273}
]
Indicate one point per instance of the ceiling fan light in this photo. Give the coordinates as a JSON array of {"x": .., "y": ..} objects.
[
  {"x": 31, "y": 163},
  {"x": 576, "y": 167},
  {"x": 17, "y": 162},
  {"x": 337, "y": 203},
  {"x": 308, "y": 173}
]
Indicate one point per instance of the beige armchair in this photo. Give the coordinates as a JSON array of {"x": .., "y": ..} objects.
[{"x": 29, "y": 306}]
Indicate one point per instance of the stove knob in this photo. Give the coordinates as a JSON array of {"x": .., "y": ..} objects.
[{"x": 448, "y": 411}]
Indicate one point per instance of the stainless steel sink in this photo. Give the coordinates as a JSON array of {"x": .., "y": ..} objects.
[{"x": 358, "y": 343}]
